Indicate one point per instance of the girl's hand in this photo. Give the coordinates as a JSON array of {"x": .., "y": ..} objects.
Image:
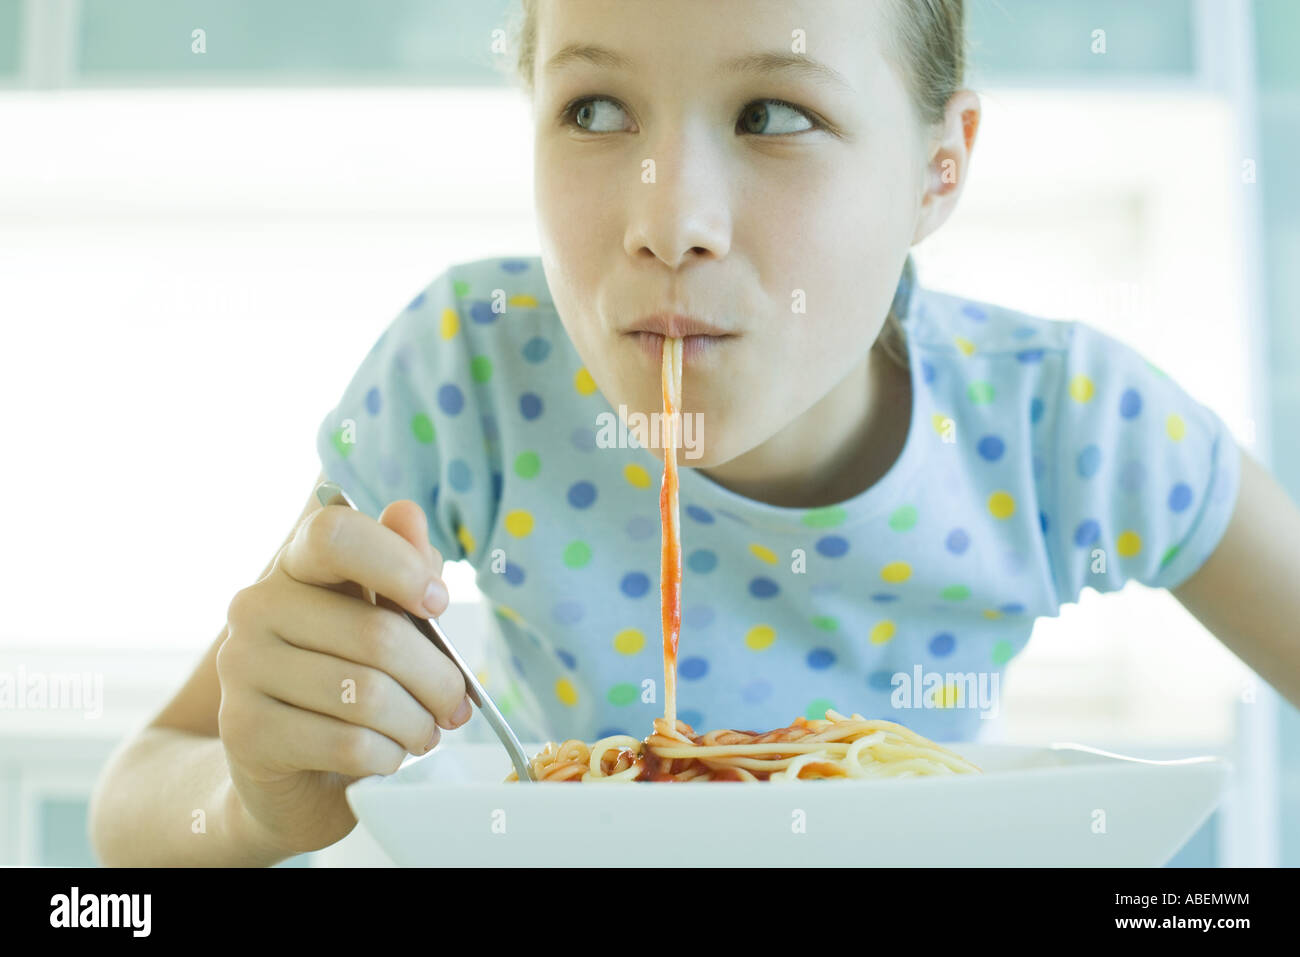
[{"x": 318, "y": 686}]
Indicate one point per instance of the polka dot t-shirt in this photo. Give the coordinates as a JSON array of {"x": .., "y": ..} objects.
[{"x": 1043, "y": 457}]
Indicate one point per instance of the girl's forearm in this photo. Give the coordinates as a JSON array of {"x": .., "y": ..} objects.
[{"x": 165, "y": 800}]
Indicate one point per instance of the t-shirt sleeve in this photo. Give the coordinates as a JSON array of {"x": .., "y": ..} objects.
[
  {"x": 410, "y": 426},
  {"x": 1140, "y": 479}
]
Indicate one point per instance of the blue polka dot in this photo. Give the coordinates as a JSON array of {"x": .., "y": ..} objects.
[
  {"x": 518, "y": 665},
  {"x": 1035, "y": 409},
  {"x": 972, "y": 311},
  {"x": 481, "y": 312},
  {"x": 957, "y": 541},
  {"x": 1012, "y": 608},
  {"x": 693, "y": 668},
  {"x": 450, "y": 399},
  {"x": 639, "y": 527},
  {"x": 459, "y": 475},
  {"x": 496, "y": 486},
  {"x": 514, "y": 265},
  {"x": 584, "y": 440},
  {"x": 1132, "y": 476},
  {"x": 1023, "y": 332},
  {"x": 634, "y": 584},
  {"x": 610, "y": 733},
  {"x": 927, "y": 371},
  {"x": 374, "y": 402},
  {"x": 693, "y": 718},
  {"x": 514, "y": 574},
  {"x": 832, "y": 546},
  {"x": 536, "y": 349},
  {"x": 1087, "y": 533},
  {"x": 882, "y": 596},
  {"x": 697, "y": 616},
  {"x": 942, "y": 644},
  {"x": 530, "y": 405},
  {"x": 1180, "y": 496},
  {"x": 1042, "y": 520},
  {"x": 417, "y": 302},
  {"x": 991, "y": 448},
  {"x": 403, "y": 359},
  {"x": 568, "y": 612},
  {"x": 761, "y": 587},
  {"x": 433, "y": 497},
  {"x": 702, "y": 561},
  {"x": 700, "y": 515},
  {"x": 756, "y": 691},
  {"x": 880, "y": 680},
  {"x": 1089, "y": 461},
  {"x": 570, "y": 662},
  {"x": 1130, "y": 403},
  {"x": 1030, "y": 355},
  {"x": 820, "y": 659},
  {"x": 582, "y": 494}
]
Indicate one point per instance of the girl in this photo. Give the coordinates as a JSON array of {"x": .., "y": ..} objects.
[{"x": 883, "y": 486}]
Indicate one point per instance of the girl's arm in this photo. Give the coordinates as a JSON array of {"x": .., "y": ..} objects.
[{"x": 1248, "y": 591}]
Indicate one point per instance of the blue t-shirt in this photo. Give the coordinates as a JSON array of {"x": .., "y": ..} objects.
[{"x": 1042, "y": 457}]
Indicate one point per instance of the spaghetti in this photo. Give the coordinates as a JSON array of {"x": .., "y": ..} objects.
[{"x": 833, "y": 747}]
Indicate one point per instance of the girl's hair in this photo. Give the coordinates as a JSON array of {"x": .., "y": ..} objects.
[{"x": 927, "y": 47}]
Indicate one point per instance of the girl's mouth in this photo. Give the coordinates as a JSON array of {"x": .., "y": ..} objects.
[{"x": 694, "y": 348}]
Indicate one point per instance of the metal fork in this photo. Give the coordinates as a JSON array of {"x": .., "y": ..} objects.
[{"x": 330, "y": 493}]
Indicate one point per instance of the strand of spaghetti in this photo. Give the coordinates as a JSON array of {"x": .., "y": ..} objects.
[{"x": 670, "y": 568}]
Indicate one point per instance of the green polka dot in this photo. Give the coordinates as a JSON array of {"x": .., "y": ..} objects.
[
  {"x": 955, "y": 592},
  {"x": 577, "y": 554},
  {"x": 460, "y": 287},
  {"x": 1169, "y": 555},
  {"x": 825, "y": 622},
  {"x": 903, "y": 518},
  {"x": 504, "y": 704},
  {"x": 343, "y": 448},
  {"x": 1003, "y": 651},
  {"x": 827, "y": 517},
  {"x": 623, "y": 694},
  {"x": 527, "y": 465},
  {"x": 422, "y": 426},
  {"x": 980, "y": 393},
  {"x": 817, "y": 709},
  {"x": 480, "y": 368}
]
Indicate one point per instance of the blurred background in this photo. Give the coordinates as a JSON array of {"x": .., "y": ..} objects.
[{"x": 198, "y": 247}]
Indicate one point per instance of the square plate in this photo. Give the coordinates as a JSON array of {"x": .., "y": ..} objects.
[{"x": 1064, "y": 805}]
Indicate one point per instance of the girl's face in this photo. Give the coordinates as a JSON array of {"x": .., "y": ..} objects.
[{"x": 707, "y": 173}]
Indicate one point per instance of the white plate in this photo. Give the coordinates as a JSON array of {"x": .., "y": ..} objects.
[{"x": 1065, "y": 805}]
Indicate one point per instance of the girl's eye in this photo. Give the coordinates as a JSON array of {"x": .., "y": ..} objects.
[{"x": 755, "y": 118}]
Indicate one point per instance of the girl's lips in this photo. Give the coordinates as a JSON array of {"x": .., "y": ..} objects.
[{"x": 694, "y": 348}]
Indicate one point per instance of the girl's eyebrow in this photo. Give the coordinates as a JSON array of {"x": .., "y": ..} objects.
[{"x": 765, "y": 63}]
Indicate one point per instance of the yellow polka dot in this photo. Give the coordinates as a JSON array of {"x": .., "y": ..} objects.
[
  {"x": 760, "y": 636},
  {"x": 565, "y": 691},
  {"x": 505, "y": 611},
  {"x": 1176, "y": 427},
  {"x": 965, "y": 345},
  {"x": 1081, "y": 388},
  {"x": 466, "y": 539},
  {"x": 482, "y": 677},
  {"x": 896, "y": 572},
  {"x": 882, "y": 632},
  {"x": 1128, "y": 544},
  {"x": 636, "y": 476},
  {"x": 1002, "y": 505},
  {"x": 763, "y": 554},
  {"x": 583, "y": 382},
  {"x": 947, "y": 696},
  {"x": 523, "y": 299},
  {"x": 519, "y": 523},
  {"x": 629, "y": 641},
  {"x": 942, "y": 423},
  {"x": 992, "y": 614},
  {"x": 450, "y": 322}
]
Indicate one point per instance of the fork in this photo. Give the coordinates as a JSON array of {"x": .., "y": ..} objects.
[{"x": 331, "y": 493}]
